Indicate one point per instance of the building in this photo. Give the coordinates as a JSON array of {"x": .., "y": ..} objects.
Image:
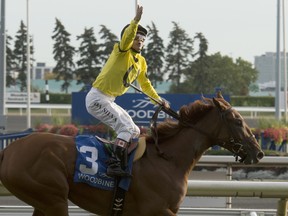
[
  {"x": 266, "y": 66},
  {"x": 39, "y": 71}
]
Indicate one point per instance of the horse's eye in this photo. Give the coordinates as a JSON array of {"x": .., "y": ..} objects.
[{"x": 239, "y": 122}]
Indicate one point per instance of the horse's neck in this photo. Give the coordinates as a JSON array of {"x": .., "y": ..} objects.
[
  {"x": 193, "y": 142},
  {"x": 186, "y": 148}
]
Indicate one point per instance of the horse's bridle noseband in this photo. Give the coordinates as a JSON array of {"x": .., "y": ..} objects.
[{"x": 237, "y": 144}]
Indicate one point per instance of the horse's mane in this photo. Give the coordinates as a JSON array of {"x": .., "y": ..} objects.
[{"x": 189, "y": 114}]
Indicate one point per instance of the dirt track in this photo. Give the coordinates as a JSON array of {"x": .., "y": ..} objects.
[{"x": 240, "y": 202}]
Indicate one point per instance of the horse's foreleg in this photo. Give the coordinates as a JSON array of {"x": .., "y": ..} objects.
[{"x": 60, "y": 209}]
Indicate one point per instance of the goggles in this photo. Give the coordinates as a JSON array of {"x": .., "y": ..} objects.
[{"x": 140, "y": 37}]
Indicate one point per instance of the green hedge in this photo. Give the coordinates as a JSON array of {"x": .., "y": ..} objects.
[
  {"x": 265, "y": 101},
  {"x": 57, "y": 98}
]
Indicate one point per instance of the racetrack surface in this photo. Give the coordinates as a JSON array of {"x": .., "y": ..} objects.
[{"x": 237, "y": 202}]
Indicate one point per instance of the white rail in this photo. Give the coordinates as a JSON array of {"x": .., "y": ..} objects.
[
  {"x": 242, "y": 189},
  {"x": 254, "y": 111},
  {"x": 47, "y": 107},
  {"x": 229, "y": 188},
  {"x": 39, "y": 106},
  {"x": 222, "y": 188},
  {"x": 227, "y": 161}
]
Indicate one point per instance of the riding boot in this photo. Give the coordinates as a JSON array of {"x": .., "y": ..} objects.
[{"x": 118, "y": 160}]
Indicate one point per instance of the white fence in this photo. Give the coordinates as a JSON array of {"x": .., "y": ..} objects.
[
  {"x": 228, "y": 161},
  {"x": 47, "y": 107},
  {"x": 252, "y": 111},
  {"x": 229, "y": 188},
  {"x": 261, "y": 189}
]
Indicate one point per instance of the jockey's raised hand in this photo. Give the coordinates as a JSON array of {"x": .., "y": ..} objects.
[{"x": 139, "y": 12}]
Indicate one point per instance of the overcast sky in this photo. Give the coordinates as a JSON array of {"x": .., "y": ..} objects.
[{"x": 237, "y": 28}]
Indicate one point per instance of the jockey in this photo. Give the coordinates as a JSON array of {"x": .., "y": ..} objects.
[{"x": 125, "y": 64}]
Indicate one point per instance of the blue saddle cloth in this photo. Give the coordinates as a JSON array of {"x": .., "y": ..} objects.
[{"x": 91, "y": 164}]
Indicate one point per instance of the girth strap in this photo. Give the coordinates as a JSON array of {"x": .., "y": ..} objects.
[
  {"x": 153, "y": 127},
  {"x": 118, "y": 199}
]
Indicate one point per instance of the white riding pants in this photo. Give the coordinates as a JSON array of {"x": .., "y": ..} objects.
[{"x": 103, "y": 107}]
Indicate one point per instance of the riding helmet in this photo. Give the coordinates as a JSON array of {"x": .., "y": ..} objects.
[{"x": 140, "y": 30}]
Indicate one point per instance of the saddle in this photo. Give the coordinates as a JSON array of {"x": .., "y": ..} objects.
[{"x": 140, "y": 147}]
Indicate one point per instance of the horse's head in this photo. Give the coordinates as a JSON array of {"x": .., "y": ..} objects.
[
  {"x": 235, "y": 135},
  {"x": 220, "y": 124}
]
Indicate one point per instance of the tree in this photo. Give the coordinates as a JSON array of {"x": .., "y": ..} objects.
[
  {"x": 88, "y": 65},
  {"x": 247, "y": 76},
  {"x": 219, "y": 71},
  {"x": 109, "y": 39},
  {"x": 63, "y": 55},
  {"x": 179, "y": 54},
  {"x": 203, "y": 45},
  {"x": 10, "y": 63},
  {"x": 20, "y": 54},
  {"x": 154, "y": 55},
  {"x": 202, "y": 64}
]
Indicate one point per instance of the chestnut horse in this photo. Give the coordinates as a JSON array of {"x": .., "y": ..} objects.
[{"x": 39, "y": 168}]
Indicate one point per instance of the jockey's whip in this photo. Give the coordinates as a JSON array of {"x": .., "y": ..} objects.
[{"x": 168, "y": 111}]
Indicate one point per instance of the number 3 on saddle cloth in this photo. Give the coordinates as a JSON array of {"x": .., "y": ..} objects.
[{"x": 91, "y": 167}]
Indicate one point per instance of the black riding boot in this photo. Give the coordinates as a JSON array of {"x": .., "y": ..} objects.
[{"x": 118, "y": 159}]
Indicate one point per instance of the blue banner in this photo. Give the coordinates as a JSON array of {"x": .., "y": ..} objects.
[{"x": 139, "y": 107}]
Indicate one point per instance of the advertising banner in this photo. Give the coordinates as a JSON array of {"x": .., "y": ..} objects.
[{"x": 139, "y": 107}]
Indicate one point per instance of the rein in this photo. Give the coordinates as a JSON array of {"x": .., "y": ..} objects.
[
  {"x": 237, "y": 145},
  {"x": 153, "y": 127}
]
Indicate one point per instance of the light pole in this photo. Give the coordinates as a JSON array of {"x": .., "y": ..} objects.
[
  {"x": 28, "y": 71},
  {"x": 278, "y": 65},
  {"x": 2, "y": 67},
  {"x": 285, "y": 63}
]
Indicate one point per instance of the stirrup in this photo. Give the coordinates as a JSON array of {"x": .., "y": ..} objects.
[{"x": 118, "y": 160}]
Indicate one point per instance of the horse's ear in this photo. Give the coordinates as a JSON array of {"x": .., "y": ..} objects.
[
  {"x": 206, "y": 100},
  {"x": 218, "y": 104},
  {"x": 219, "y": 94},
  {"x": 203, "y": 98}
]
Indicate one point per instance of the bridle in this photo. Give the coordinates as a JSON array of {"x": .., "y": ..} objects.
[{"x": 237, "y": 145}]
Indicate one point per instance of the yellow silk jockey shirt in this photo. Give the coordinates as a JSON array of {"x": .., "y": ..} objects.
[{"x": 124, "y": 60}]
